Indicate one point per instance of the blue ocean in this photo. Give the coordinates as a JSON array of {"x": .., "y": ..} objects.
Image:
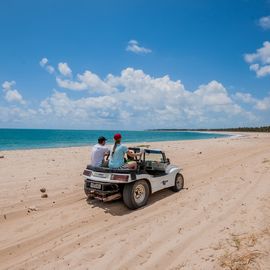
[{"x": 12, "y": 139}]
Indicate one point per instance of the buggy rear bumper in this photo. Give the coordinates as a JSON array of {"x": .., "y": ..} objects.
[{"x": 102, "y": 191}]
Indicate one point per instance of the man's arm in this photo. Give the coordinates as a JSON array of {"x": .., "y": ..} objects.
[
  {"x": 106, "y": 154},
  {"x": 132, "y": 154}
]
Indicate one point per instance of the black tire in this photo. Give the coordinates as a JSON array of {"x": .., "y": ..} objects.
[
  {"x": 179, "y": 183},
  {"x": 136, "y": 194}
]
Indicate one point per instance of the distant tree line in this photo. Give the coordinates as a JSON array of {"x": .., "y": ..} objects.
[{"x": 242, "y": 129}]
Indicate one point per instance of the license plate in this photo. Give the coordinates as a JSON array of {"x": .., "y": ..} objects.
[
  {"x": 101, "y": 175},
  {"x": 95, "y": 185}
]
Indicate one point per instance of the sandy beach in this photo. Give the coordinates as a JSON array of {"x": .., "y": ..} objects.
[{"x": 221, "y": 220}]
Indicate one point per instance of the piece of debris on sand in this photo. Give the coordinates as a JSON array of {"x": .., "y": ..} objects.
[
  {"x": 32, "y": 208},
  {"x": 44, "y": 195},
  {"x": 43, "y": 190},
  {"x": 2, "y": 156}
]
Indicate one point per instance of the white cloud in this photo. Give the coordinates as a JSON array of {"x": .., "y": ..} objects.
[
  {"x": 50, "y": 69},
  {"x": 8, "y": 85},
  {"x": 136, "y": 100},
  {"x": 245, "y": 97},
  {"x": 263, "y": 104},
  {"x": 94, "y": 83},
  {"x": 258, "y": 104},
  {"x": 60, "y": 104},
  {"x": 64, "y": 69},
  {"x": 93, "y": 112},
  {"x": 262, "y": 54},
  {"x": 133, "y": 46},
  {"x": 71, "y": 85},
  {"x": 213, "y": 94},
  {"x": 264, "y": 22},
  {"x": 44, "y": 62},
  {"x": 13, "y": 115},
  {"x": 12, "y": 95},
  {"x": 260, "y": 71},
  {"x": 86, "y": 81},
  {"x": 260, "y": 61}
]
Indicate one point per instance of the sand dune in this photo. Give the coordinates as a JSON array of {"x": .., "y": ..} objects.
[{"x": 220, "y": 219}]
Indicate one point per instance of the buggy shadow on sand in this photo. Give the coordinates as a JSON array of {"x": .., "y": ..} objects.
[
  {"x": 117, "y": 208},
  {"x": 154, "y": 172}
]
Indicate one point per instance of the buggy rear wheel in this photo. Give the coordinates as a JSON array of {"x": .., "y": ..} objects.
[
  {"x": 179, "y": 183},
  {"x": 136, "y": 194}
]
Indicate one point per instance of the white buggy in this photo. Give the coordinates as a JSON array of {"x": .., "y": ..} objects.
[{"x": 154, "y": 172}]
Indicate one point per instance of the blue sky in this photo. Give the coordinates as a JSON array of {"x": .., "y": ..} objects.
[{"x": 134, "y": 64}]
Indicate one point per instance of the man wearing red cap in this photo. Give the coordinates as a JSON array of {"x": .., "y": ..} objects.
[{"x": 118, "y": 152}]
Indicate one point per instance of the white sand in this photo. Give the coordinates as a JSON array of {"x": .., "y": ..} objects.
[{"x": 225, "y": 208}]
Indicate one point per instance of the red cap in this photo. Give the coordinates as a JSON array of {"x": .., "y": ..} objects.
[{"x": 117, "y": 136}]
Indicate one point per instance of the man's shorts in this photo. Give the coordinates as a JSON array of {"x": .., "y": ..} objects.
[{"x": 124, "y": 166}]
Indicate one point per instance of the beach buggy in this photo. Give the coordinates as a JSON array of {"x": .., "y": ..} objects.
[{"x": 154, "y": 172}]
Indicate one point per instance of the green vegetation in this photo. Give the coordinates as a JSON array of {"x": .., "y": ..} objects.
[{"x": 242, "y": 129}]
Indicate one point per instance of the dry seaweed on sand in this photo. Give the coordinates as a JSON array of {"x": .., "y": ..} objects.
[
  {"x": 245, "y": 260},
  {"x": 244, "y": 256}
]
